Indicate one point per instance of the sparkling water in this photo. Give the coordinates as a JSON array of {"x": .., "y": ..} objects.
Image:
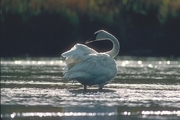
[{"x": 144, "y": 88}]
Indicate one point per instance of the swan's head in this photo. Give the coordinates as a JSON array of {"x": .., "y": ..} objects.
[
  {"x": 104, "y": 35},
  {"x": 99, "y": 35}
]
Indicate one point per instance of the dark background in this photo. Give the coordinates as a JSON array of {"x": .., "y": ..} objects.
[{"x": 50, "y": 27}]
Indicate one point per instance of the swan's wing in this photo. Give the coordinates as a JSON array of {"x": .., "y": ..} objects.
[
  {"x": 94, "y": 69},
  {"x": 79, "y": 49},
  {"x": 76, "y": 54}
]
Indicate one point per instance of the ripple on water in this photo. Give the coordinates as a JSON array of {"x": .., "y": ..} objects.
[{"x": 144, "y": 88}]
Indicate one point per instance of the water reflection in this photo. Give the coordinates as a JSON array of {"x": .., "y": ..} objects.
[
  {"x": 105, "y": 113},
  {"x": 33, "y": 88}
]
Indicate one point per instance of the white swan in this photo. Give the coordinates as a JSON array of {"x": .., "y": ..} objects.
[{"x": 90, "y": 67}]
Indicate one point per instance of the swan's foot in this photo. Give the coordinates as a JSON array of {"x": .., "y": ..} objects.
[
  {"x": 100, "y": 89},
  {"x": 85, "y": 87},
  {"x": 101, "y": 86}
]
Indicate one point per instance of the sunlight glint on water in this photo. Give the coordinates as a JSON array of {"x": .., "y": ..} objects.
[
  {"x": 60, "y": 114},
  {"x": 146, "y": 88}
]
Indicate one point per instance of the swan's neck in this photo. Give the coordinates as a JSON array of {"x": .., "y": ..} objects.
[{"x": 115, "y": 50}]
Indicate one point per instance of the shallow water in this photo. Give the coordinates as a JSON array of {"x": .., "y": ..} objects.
[{"x": 144, "y": 88}]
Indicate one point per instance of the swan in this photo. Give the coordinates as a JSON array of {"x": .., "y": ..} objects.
[{"x": 89, "y": 67}]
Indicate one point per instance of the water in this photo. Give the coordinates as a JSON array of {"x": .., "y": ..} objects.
[{"x": 144, "y": 88}]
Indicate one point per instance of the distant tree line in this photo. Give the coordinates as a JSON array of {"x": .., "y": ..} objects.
[{"x": 49, "y": 27}]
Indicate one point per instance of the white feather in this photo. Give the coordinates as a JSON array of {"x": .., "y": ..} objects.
[
  {"x": 93, "y": 69},
  {"x": 90, "y": 67}
]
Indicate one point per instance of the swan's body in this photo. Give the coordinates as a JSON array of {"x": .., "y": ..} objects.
[{"x": 90, "y": 67}]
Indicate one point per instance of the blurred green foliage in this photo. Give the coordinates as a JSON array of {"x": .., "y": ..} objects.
[
  {"x": 104, "y": 10},
  {"x": 144, "y": 27}
]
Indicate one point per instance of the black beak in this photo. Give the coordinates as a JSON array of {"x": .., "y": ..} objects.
[{"x": 93, "y": 38}]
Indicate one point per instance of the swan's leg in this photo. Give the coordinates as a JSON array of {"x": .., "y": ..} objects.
[
  {"x": 72, "y": 81},
  {"x": 101, "y": 86},
  {"x": 85, "y": 87},
  {"x": 100, "y": 89}
]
